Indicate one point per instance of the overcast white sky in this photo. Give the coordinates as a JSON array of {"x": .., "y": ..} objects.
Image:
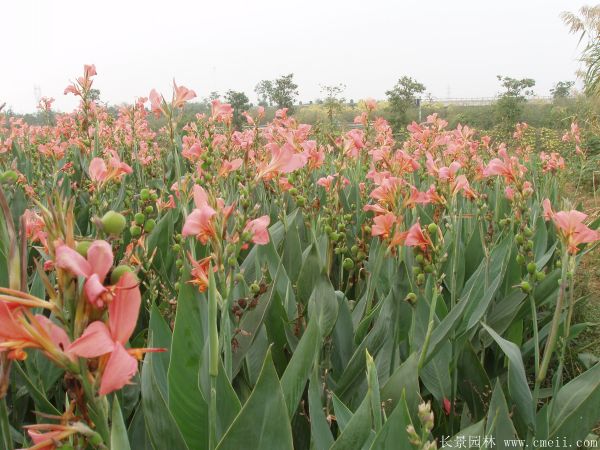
[{"x": 455, "y": 47}]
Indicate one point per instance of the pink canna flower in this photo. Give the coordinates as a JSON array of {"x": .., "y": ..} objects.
[
  {"x": 221, "y": 112},
  {"x": 99, "y": 339},
  {"x": 383, "y": 225},
  {"x": 570, "y": 227},
  {"x": 284, "y": 159},
  {"x": 416, "y": 238},
  {"x": 156, "y": 102},
  {"x": 258, "y": 230},
  {"x": 326, "y": 182},
  {"x": 230, "y": 166},
  {"x": 94, "y": 268},
  {"x": 181, "y": 95},
  {"x": 462, "y": 184},
  {"x": 101, "y": 173}
]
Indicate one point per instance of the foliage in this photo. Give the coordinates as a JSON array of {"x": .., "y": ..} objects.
[
  {"x": 587, "y": 25},
  {"x": 401, "y": 97},
  {"x": 240, "y": 103},
  {"x": 350, "y": 291},
  {"x": 509, "y": 106},
  {"x": 281, "y": 92}
]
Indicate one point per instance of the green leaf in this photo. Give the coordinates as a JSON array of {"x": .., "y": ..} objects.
[
  {"x": 162, "y": 428},
  {"x": 263, "y": 421},
  {"x": 517, "y": 380},
  {"x": 319, "y": 428},
  {"x": 499, "y": 425},
  {"x": 323, "y": 305},
  {"x": 403, "y": 384},
  {"x": 358, "y": 430},
  {"x": 393, "y": 435},
  {"x": 186, "y": 402},
  {"x": 118, "y": 432},
  {"x": 251, "y": 323},
  {"x": 298, "y": 370},
  {"x": 576, "y": 408}
]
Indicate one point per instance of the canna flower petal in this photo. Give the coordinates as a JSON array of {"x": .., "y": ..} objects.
[
  {"x": 258, "y": 229},
  {"x": 95, "y": 341},
  {"x": 69, "y": 259},
  {"x": 120, "y": 368},
  {"x": 94, "y": 288},
  {"x": 57, "y": 334},
  {"x": 124, "y": 309},
  {"x": 98, "y": 170},
  {"x": 100, "y": 257}
]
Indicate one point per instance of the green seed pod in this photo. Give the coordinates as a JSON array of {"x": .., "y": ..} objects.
[
  {"x": 530, "y": 245},
  {"x": 428, "y": 268},
  {"x": 416, "y": 270},
  {"x": 525, "y": 287},
  {"x": 145, "y": 194},
  {"x": 179, "y": 262},
  {"x": 254, "y": 288},
  {"x": 360, "y": 256},
  {"x": 232, "y": 261},
  {"x": 139, "y": 219},
  {"x": 354, "y": 249},
  {"x": 348, "y": 264},
  {"x": 367, "y": 229},
  {"x": 149, "y": 225},
  {"x": 178, "y": 237},
  {"x": 539, "y": 276},
  {"x": 238, "y": 277},
  {"x": 135, "y": 231},
  {"x": 293, "y": 192},
  {"x": 420, "y": 259},
  {"x": 149, "y": 209},
  {"x": 520, "y": 259},
  {"x": 118, "y": 272},
  {"x": 411, "y": 298},
  {"x": 432, "y": 228},
  {"x": 82, "y": 247},
  {"x": 520, "y": 239},
  {"x": 420, "y": 279},
  {"x": 328, "y": 229},
  {"x": 113, "y": 222},
  {"x": 558, "y": 264},
  {"x": 176, "y": 285},
  {"x": 300, "y": 201},
  {"x": 528, "y": 232},
  {"x": 154, "y": 196},
  {"x": 176, "y": 248},
  {"x": 9, "y": 177},
  {"x": 531, "y": 268}
]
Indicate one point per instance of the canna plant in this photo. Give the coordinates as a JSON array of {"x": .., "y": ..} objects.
[{"x": 194, "y": 286}]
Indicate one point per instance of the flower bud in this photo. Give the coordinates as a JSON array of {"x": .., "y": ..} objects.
[{"x": 82, "y": 247}]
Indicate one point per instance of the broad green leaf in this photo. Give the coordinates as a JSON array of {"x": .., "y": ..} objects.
[
  {"x": 186, "y": 402},
  {"x": 576, "y": 408},
  {"x": 299, "y": 368},
  {"x": 323, "y": 305},
  {"x": 517, "y": 380},
  {"x": 393, "y": 434},
  {"x": 162, "y": 428},
  {"x": 320, "y": 432},
  {"x": 358, "y": 429},
  {"x": 499, "y": 424},
  {"x": 118, "y": 433},
  {"x": 403, "y": 384},
  {"x": 263, "y": 421}
]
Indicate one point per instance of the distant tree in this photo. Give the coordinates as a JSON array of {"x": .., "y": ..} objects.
[
  {"x": 509, "y": 106},
  {"x": 284, "y": 92},
  {"x": 402, "y": 97},
  {"x": 94, "y": 95},
  {"x": 562, "y": 89},
  {"x": 240, "y": 103},
  {"x": 264, "y": 91},
  {"x": 333, "y": 102},
  {"x": 214, "y": 95},
  {"x": 587, "y": 25}
]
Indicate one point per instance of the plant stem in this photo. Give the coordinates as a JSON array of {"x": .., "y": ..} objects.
[
  {"x": 429, "y": 328},
  {"x": 5, "y": 426},
  {"x": 213, "y": 369}
]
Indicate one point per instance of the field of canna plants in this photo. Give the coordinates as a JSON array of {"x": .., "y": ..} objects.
[{"x": 196, "y": 287}]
